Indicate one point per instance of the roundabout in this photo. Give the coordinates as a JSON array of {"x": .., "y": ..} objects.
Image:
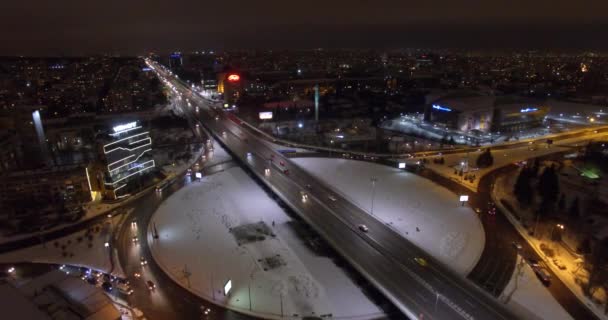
[{"x": 225, "y": 240}]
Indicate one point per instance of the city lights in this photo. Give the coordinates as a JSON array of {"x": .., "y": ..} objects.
[
  {"x": 441, "y": 108},
  {"x": 124, "y": 127}
]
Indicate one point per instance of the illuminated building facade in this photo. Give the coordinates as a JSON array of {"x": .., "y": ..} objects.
[
  {"x": 485, "y": 113},
  {"x": 128, "y": 155},
  {"x": 175, "y": 61},
  {"x": 230, "y": 85}
]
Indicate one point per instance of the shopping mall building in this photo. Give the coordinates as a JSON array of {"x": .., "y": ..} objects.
[{"x": 469, "y": 111}]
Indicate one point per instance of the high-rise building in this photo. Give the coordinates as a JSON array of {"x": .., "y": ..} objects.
[
  {"x": 230, "y": 85},
  {"x": 176, "y": 61},
  {"x": 128, "y": 156}
]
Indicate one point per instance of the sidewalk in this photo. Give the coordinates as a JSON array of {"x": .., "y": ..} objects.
[{"x": 573, "y": 275}]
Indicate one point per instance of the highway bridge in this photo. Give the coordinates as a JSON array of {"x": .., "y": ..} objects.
[{"x": 420, "y": 286}]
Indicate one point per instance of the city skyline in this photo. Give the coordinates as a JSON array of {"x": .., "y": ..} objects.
[{"x": 75, "y": 28}]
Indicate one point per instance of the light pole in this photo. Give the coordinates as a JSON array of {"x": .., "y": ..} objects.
[
  {"x": 436, "y": 301},
  {"x": 373, "y": 180},
  {"x": 560, "y": 226}
]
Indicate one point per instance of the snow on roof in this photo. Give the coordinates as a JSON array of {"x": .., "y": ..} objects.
[{"x": 15, "y": 305}]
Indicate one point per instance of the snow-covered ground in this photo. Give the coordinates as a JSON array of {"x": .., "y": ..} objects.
[
  {"x": 528, "y": 297},
  {"x": 448, "y": 231},
  {"x": 196, "y": 228},
  {"x": 76, "y": 249}
]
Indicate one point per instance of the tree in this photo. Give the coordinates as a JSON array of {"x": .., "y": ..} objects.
[
  {"x": 561, "y": 205},
  {"x": 536, "y": 167},
  {"x": 574, "y": 209},
  {"x": 485, "y": 159},
  {"x": 523, "y": 188},
  {"x": 598, "y": 259},
  {"x": 548, "y": 185}
]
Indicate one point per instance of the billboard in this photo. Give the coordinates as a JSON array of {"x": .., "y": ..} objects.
[
  {"x": 233, "y": 77},
  {"x": 265, "y": 115},
  {"x": 227, "y": 287}
]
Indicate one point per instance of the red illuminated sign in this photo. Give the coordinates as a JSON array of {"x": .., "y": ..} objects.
[{"x": 234, "y": 77}]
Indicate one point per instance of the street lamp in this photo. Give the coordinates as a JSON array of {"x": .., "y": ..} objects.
[
  {"x": 559, "y": 226},
  {"x": 373, "y": 180}
]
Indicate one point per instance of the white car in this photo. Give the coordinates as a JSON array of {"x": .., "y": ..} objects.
[
  {"x": 124, "y": 288},
  {"x": 363, "y": 228}
]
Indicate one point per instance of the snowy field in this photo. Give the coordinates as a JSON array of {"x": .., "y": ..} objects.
[
  {"x": 529, "y": 298},
  {"x": 448, "y": 231},
  {"x": 83, "y": 248},
  {"x": 197, "y": 227}
]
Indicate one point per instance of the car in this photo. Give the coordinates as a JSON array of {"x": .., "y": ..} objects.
[
  {"x": 308, "y": 186},
  {"x": 304, "y": 196},
  {"x": 124, "y": 288},
  {"x": 559, "y": 264},
  {"x": 477, "y": 210},
  {"x": 332, "y": 198},
  {"x": 363, "y": 228},
  {"x": 92, "y": 280},
  {"x": 137, "y": 275},
  {"x": 516, "y": 245},
  {"x": 248, "y": 154},
  {"x": 106, "y": 286},
  {"x": 543, "y": 275},
  {"x": 143, "y": 261},
  {"x": 135, "y": 239},
  {"x": 286, "y": 171},
  {"x": 282, "y": 163},
  {"x": 421, "y": 261},
  {"x": 162, "y": 186},
  {"x": 533, "y": 263},
  {"x": 151, "y": 285}
]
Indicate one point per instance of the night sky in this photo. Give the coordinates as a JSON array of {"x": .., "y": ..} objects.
[{"x": 45, "y": 27}]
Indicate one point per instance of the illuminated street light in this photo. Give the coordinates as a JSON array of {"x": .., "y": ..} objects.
[
  {"x": 558, "y": 226},
  {"x": 463, "y": 198}
]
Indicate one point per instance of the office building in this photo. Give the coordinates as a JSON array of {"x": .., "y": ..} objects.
[
  {"x": 476, "y": 112},
  {"x": 127, "y": 156}
]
